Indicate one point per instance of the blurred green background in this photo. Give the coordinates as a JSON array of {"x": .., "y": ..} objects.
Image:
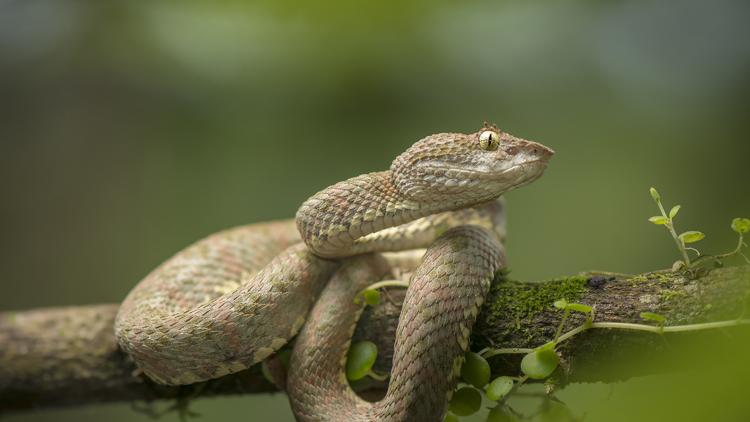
[{"x": 130, "y": 129}]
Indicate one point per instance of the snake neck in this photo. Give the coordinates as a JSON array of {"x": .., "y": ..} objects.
[{"x": 344, "y": 219}]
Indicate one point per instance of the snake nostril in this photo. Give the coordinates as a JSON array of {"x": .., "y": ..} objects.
[{"x": 536, "y": 151}]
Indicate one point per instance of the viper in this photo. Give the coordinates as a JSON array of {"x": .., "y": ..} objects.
[{"x": 234, "y": 298}]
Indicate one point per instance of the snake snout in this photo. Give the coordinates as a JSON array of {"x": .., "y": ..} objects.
[
  {"x": 523, "y": 150},
  {"x": 541, "y": 151}
]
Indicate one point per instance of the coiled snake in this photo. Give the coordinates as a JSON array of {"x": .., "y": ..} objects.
[{"x": 233, "y": 299}]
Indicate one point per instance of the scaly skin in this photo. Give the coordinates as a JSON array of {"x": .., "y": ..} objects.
[
  {"x": 234, "y": 298},
  {"x": 441, "y": 304}
]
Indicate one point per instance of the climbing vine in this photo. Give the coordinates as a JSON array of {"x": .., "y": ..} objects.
[{"x": 741, "y": 226}]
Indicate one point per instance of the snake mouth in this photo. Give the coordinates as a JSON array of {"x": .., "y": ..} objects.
[
  {"x": 537, "y": 169},
  {"x": 493, "y": 178},
  {"x": 485, "y": 172}
]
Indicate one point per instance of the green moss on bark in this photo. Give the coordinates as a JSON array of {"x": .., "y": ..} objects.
[{"x": 522, "y": 301}]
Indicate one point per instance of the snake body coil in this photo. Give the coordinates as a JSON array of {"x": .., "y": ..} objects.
[{"x": 234, "y": 298}]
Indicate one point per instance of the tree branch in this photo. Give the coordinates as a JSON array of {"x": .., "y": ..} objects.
[{"x": 69, "y": 356}]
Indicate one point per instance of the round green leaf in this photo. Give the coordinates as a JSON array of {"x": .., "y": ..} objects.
[
  {"x": 372, "y": 297},
  {"x": 691, "y": 236},
  {"x": 465, "y": 401},
  {"x": 360, "y": 359},
  {"x": 499, "y": 388},
  {"x": 475, "y": 370},
  {"x": 741, "y": 225},
  {"x": 450, "y": 417},
  {"x": 560, "y": 304},
  {"x": 501, "y": 414},
  {"x": 540, "y": 363}
]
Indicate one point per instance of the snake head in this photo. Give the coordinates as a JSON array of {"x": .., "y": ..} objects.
[{"x": 468, "y": 168}]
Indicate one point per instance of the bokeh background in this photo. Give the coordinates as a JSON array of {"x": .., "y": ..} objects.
[{"x": 129, "y": 129}]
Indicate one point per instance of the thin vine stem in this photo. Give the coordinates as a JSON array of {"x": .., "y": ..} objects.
[
  {"x": 387, "y": 283},
  {"x": 736, "y": 251},
  {"x": 560, "y": 327},
  {"x": 490, "y": 352},
  {"x": 379, "y": 377},
  {"x": 654, "y": 329},
  {"x": 677, "y": 240}
]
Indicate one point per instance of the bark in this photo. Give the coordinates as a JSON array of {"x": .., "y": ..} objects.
[{"x": 69, "y": 356}]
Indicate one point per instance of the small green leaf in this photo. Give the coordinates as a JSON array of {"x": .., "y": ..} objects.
[
  {"x": 650, "y": 316},
  {"x": 450, "y": 417},
  {"x": 673, "y": 212},
  {"x": 655, "y": 194},
  {"x": 465, "y": 401},
  {"x": 691, "y": 236},
  {"x": 475, "y": 370},
  {"x": 540, "y": 363},
  {"x": 360, "y": 359},
  {"x": 561, "y": 304},
  {"x": 372, "y": 297},
  {"x": 659, "y": 219},
  {"x": 741, "y": 225},
  {"x": 499, "y": 388},
  {"x": 501, "y": 414},
  {"x": 579, "y": 307}
]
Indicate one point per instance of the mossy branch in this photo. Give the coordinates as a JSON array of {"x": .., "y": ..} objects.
[{"x": 69, "y": 356}]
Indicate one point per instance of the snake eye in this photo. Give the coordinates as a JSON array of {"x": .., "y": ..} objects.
[{"x": 489, "y": 140}]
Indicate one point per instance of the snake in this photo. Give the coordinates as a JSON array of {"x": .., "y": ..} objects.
[{"x": 236, "y": 297}]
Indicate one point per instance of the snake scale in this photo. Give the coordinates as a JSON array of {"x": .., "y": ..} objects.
[{"x": 234, "y": 298}]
